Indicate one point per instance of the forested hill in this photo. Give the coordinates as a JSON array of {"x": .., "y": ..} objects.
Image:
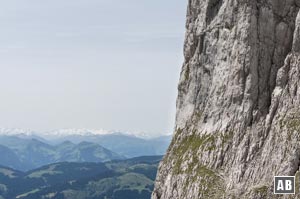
[{"x": 119, "y": 179}]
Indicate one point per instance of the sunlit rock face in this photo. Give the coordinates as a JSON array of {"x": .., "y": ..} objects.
[{"x": 238, "y": 106}]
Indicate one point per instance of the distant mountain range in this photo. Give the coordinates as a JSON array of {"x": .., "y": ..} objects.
[
  {"x": 78, "y": 165},
  {"x": 122, "y": 179},
  {"x": 25, "y": 150},
  {"x": 61, "y": 133},
  {"x": 25, "y": 154},
  {"x": 125, "y": 145}
]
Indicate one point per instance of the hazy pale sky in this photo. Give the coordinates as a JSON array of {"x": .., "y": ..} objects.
[{"x": 100, "y": 64}]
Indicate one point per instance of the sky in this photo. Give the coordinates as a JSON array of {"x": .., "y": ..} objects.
[{"x": 94, "y": 64}]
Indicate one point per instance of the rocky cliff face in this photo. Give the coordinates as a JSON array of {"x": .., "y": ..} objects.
[{"x": 238, "y": 108}]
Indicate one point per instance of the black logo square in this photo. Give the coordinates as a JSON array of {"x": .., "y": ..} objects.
[{"x": 284, "y": 185}]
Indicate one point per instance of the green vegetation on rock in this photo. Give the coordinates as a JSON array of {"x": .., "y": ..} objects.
[
  {"x": 261, "y": 189},
  {"x": 186, "y": 156}
]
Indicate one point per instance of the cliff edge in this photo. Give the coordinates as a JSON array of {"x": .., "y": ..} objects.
[{"x": 238, "y": 107}]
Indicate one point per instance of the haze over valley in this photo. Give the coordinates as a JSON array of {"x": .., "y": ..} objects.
[{"x": 27, "y": 150}]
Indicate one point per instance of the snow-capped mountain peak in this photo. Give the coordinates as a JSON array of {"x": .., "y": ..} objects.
[
  {"x": 61, "y": 133},
  {"x": 16, "y": 131},
  {"x": 81, "y": 132}
]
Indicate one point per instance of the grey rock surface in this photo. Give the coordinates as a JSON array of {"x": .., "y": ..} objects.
[{"x": 238, "y": 106}]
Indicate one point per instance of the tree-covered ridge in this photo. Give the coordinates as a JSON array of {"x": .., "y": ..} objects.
[{"x": 132, "y": 178}]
